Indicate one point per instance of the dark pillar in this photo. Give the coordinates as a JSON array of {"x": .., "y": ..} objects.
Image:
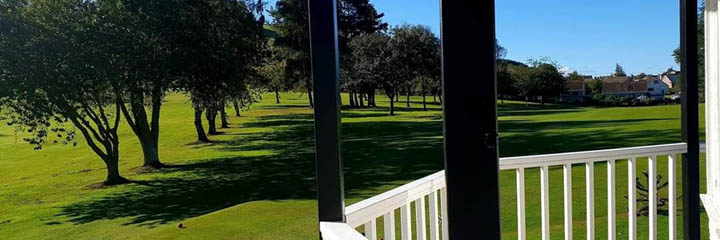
[
  {"x": 324, "y": 51},
  {"x": 690, "y": 130},
  {"x": 470, "y": 120}
]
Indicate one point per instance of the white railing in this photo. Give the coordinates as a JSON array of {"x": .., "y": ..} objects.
[{"x": 430, "y": 191}]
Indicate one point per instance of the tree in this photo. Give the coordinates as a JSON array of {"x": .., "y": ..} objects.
[
  {"x": 46, "y": 47},
  {"x": 143, "y": 52},
  {"x": 619, "y": 71},
  {"x": 291, "y": 23},
  {"x": 595, "y": 87},
  {"x": 356, "y": 17},
  {"x": 701, "y": 52},
  {"x": 219, "y": 49},
  {"x": 506, "y": 80},
  {"x": 373, "y": 59},
  {"x": 416, "y": 53},
  {"x": 550, "y": 82}
]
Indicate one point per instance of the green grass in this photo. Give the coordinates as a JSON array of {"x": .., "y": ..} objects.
[{"x": 256, "y": 181}]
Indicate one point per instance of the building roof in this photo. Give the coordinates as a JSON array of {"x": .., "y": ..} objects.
[
  {"x": 623, "y": 85},
  {"x": 575, "y": 86}
]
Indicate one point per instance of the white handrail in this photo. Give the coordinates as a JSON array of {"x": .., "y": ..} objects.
[
  {"x": 367, "y": 211},
  {"x": 339, "y": 231}
]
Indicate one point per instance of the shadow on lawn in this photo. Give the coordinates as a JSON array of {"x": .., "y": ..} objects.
[
  {"x": 376, "y": 153},
  {"x": 285, "y": 170}
]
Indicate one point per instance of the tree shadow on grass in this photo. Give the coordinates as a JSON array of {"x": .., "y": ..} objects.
[
  {"x": 278, "y": 164},
  {"x": 274, "y": 165}
]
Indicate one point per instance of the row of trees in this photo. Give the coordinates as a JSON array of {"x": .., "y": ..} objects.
[
  {"x": 69, "y": 66},
  {"x": 539, "y": 79}
]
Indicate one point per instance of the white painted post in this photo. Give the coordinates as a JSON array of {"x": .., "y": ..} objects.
[
  {"x": 611, "y": 198},
  {"x": 389, "y": 225},
  {"x": 371, "y": 230},
  {"x": 420, "y": 218},
  {"x": 567, "y": 195},
  {"x": 672, "y": 215},
  {"x": 590, "y": 199},
  {"x": 434, "y": 226},
  {"x": 652, "y": 197},
  {"x": 544, "y": 202},
  {"x": 632, "y": 200},
  {"x": 712, "y": 105},
  {"x": 405, "y": 222},
  {"x": 520, "y": 182},
  {"x": 443, "y": 208}
]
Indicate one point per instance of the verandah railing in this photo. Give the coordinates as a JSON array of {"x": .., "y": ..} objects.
[{"x": 428, "y": 194}]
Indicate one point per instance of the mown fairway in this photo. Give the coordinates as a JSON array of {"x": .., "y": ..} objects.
[{"x": 256, "y": 181}]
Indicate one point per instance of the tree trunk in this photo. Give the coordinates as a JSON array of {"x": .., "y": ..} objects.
[
  {"x": 113, "y": 171},
  {"x": 397, "y": 97},
  {"x": 434, "y": 98},
  {"x": 371, "y": 99},
  {"x": 407, "y": 100},
  {"x": 277, "y": 96},
  {"x": 199, "y": 127},
  {"x": 237, "y": 108},
  {"x": 392, "y": 106},
  {"x": 210, "y": 116},
  {"x": 310, "y": 98},
  {"x": 362, "y": 101},
  {"x": 145, "y": 134},
  {"x": 351, "y": 99},
  {"x": 424, "y": 103},
  {"x": 223, "y": 118}
]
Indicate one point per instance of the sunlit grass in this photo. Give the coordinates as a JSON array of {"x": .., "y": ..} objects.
[{"x": 256, "y": 181}]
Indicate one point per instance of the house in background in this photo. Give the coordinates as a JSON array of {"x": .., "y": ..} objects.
[
  {"x": 574, "y": 92},
  {"x": 656, "y": 88},
  {"x": 624, "y": 87},
  {"x": 671, "y": 80}
]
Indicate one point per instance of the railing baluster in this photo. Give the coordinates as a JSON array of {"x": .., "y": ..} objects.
[
  {"x": 405, "y": 222},
  {"x": 420, "y": 218},
  {"x": 520, "y": 180},
  {"x": 544, "y": 202},
  {"x": 632, "y": 217},
  {"x": 371, "y": 230},
  {"x": 652, "y": 197},
  {"x": 389, "y": 225},
  {"x": 611, "y": 198},
  {"x": 434, "y": 227},
  {"x": 590, "y": 199},
  {"x": 567, "y": 194},
  {"x": 443, "y": 208},
  {"x": 672, "y": 221}
]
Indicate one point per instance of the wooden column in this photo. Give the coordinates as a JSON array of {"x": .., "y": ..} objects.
[
  {"x": 324, "y": 51},
  {"x": 470, "y": 120}
]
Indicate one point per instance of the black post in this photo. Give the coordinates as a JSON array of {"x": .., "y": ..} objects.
[
  {"x": 690, "y": 130},
  {"x": 324, "y": 52},
  {"x": 470, "y": 119}
]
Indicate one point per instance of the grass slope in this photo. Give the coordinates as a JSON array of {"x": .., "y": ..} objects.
[{"x": 256, "y": 181}]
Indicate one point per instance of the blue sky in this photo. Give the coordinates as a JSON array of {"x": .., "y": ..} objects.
[{"x": 589, "y": 36}]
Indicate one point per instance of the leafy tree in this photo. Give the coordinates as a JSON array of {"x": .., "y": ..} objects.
[
  {"x": 415, "y": 50},
  {"x": 700, "y": 53},
  {"x": 574, "y": 76},
  {"x": 373, "y": 59},
  {"x": 595, "y": 87},
  {"x": 291, "y": 23},
  {"x": 619, "y": 71},
  {"x": 356, "y": 17},
  {"x": 550, "y": 82},
  {"x": 45, "y": 47},
  {"x": 219, "y": 49}
]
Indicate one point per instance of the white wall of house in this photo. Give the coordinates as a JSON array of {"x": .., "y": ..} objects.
[{"x": 657, "y": 89}]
